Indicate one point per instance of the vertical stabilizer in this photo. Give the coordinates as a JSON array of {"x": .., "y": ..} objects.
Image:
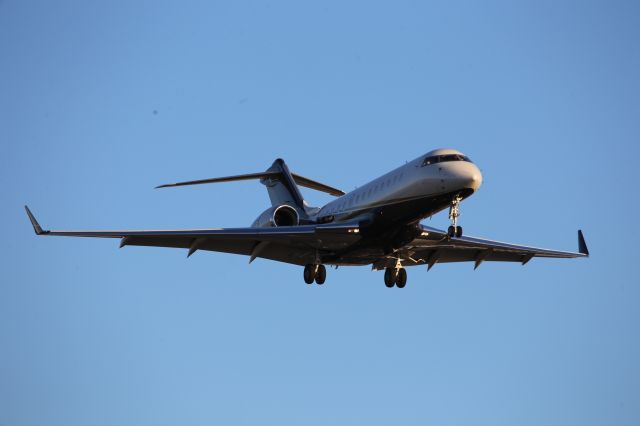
[{"x": 281, "y": 187}]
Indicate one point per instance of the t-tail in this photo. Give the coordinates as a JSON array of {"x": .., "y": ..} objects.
[{"x": 282, "y": 185}]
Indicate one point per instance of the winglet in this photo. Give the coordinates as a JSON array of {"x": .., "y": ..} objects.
[
  {"x": 582, "y": 246},
  {"x": 34, "y": 222}
]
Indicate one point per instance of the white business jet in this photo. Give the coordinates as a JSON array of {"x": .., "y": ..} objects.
[{"x": 377, "y": 224}]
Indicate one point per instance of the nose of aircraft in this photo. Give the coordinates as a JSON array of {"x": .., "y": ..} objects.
[
  {"x": 475, "y": 178},
  {"x": 468, "y": 176}
]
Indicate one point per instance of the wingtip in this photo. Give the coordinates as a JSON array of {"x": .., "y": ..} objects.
[
  {"x": 36, "y": 226},
  {"x": 582, "y": 245}
]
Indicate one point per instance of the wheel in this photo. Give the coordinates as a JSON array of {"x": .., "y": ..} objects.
[
  {"x": 309, "y": 273},
  {"x": 451, "y": 231},
  {"x": 389, "y": 277},
  {"x": 401, "y": 280},
  {"x": 459, "y": 231},
  {"x": 321, "y": 274}
]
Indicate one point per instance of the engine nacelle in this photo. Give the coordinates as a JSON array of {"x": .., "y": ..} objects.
[{"x": 283, "y": 215}]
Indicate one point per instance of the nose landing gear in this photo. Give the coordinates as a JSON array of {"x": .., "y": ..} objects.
[{"x": 454, "y": 212}]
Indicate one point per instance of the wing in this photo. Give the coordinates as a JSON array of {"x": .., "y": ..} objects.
[
  {"x": 291, "y": 244},
  {"x": 434, "y": 246}
]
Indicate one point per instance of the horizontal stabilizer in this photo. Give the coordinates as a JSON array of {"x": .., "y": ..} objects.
[
  {"x": 300, "y": 180},
  {"x": 247, "y": 176},
  {"x": 312, "y": 184}
]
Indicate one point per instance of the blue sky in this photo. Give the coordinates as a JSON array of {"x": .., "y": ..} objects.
[{"x": 102, "y": 101}]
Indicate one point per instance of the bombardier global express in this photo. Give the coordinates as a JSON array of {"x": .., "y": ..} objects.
[{"x": 377, "y": 224}]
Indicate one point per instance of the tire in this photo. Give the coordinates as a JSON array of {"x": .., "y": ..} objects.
[
  {"x": 309, "y": 273},
  {"x": 401, "y": 280},
  {"x": 321, "y": 274},
  {"x": 451, "y": 231},
  {"x": 459, "y": 231},
  {"x": 389, "y": 277}
]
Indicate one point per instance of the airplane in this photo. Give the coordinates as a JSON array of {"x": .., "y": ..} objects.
[{"x": 377, "y": 224}]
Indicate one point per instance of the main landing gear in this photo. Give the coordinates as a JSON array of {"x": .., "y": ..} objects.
[
  {"x": 317, "y": 273},
  {"x": 395, "y": 276},
  {"x": 454, "y": 212}
]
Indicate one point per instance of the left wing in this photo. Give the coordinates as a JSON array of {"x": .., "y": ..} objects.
[
  {"x": 434, "y": 246},
  {"x": 291, "y": 244}
]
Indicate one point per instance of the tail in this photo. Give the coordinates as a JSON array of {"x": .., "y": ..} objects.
[{"x": 282, "y": 185}]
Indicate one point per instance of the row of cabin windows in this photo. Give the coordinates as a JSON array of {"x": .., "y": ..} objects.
[
  {"x": 358, "y": 197},
  {"x": 442, "y": 158},
  {"x": 433, "y": 159}
]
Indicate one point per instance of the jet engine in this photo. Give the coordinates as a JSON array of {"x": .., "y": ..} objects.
[{"x": 283, "y": 215}]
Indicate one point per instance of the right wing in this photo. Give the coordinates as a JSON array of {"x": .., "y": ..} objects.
[{"x": 291, "y": 244}]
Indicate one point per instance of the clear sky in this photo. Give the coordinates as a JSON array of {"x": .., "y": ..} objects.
[{"x": 102, "y": 101}]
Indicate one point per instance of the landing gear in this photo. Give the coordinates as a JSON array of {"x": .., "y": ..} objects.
[
  {"x": 390, "y": 276},
  {"x": 401, "y": 280},
  {"x": 321, "y": 274},
  {"x": 317, "y": 273},
  {"x": 395, "y": 276},
  {"x": 309, "y": 273},
  {"x": 454, "y": 212},
  {"x": 454, "y": 231}
]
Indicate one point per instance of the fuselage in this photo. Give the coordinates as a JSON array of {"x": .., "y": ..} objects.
[{"x": 417, "y": 189}]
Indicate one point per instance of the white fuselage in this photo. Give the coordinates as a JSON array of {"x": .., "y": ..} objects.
[{"x": 417, "y": 179}]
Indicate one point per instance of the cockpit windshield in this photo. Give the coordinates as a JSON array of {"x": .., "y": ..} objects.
[{"x": 442, "y": 158}]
